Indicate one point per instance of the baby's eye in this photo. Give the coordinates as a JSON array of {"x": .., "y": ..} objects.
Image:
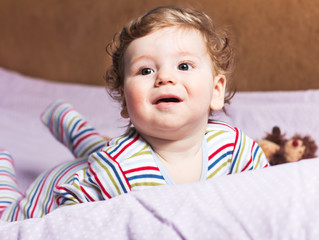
[
  {"x": 146, "y": 71},
  {"x": 184, "y": 66}
]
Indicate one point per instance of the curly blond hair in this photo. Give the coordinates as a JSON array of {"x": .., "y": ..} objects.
[{"x": 217, "y": 41}]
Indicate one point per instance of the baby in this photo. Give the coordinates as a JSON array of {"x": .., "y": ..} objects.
[{"x": 170, "y": 69}]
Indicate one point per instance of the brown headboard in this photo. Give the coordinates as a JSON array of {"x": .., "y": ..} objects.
[{"x": 276, "y": 40}]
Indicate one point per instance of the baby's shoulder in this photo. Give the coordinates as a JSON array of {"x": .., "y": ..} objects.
[
  {"x": 220, "y": 133},
  {"x": 123, "y": 147},
  {"x": 220, "y": 126}
]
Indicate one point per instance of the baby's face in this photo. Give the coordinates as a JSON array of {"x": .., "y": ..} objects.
[{"x": 169, "y": 85}]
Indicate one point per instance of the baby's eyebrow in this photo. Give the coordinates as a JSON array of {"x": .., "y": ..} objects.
[
  {"x": 139, "y": 58},
  {"x": 185, "y": 53},
  {"x": 188, "y": 54}
]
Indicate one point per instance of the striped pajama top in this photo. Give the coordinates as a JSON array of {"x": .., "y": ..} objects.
[{"x": 127, "y": 163}]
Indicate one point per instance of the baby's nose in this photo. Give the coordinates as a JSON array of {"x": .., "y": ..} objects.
[
  {"x": 165, "y": 78},
  {"x": 160, "y": 82}
]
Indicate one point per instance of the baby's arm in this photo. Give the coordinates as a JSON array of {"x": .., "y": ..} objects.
[
  {"x": 80, "y": 190},
  {"x": 70, "y": 128},
  {"x": 102, "y": 179}
]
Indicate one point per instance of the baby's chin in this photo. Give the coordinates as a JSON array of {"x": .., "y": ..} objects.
[{"x": 170, "y": 132}]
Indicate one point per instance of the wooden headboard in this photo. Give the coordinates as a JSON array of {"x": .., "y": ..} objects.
[{"x": 276, "y": 40}]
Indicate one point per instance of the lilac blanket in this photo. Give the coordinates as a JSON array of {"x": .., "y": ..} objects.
[{"x": 276, "y": 203}]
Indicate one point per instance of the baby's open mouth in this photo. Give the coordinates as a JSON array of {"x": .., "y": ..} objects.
[{"x": 167, "y": 100}]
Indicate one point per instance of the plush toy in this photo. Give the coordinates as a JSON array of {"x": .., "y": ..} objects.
[{"x": 280, "y": 150}]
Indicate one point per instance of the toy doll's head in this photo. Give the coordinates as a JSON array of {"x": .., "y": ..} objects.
[
  {"x": 216, "y": 39},
  {"x": 279, "y": 149}
]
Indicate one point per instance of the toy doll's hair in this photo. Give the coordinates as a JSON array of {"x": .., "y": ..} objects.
[{"x": 216, "y": 39}]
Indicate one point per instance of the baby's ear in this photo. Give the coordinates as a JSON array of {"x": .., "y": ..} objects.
[
  {"x": 217, "y": 102},
  {"x": 124, "y": 112}
]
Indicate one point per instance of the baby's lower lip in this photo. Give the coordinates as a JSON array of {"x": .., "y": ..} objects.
[{"x": 166, "y": 105}]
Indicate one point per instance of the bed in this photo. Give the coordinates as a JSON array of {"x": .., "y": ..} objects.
[{"x": 275, "y": 203}]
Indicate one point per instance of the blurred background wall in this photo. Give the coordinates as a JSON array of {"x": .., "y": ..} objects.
[{"x": 276, "y": 40}]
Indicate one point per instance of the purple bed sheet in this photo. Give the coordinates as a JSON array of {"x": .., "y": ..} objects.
[{"x": 276, "y": 203}]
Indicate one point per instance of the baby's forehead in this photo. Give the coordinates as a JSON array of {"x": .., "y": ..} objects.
[
  {"x": 171, "y": 40},
  {"x": 178, "y": 34},
  {"x": 176, "y": 29}
]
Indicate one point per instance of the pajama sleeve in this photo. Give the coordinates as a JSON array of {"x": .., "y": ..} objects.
[
  {"x": 247, "y": 154},
  {"x": 71, "y": 129},
  {"x": 103, "y": 179}
]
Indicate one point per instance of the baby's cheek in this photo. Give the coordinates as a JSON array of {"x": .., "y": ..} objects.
[
  {"x": 132, "y": 93},
  {"x": 135, "y": 101}
]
